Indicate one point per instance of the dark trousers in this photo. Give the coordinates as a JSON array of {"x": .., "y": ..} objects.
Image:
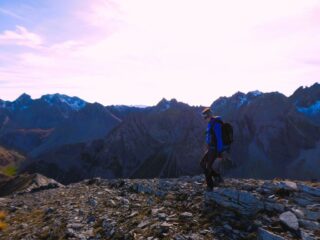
[{"x": 206, "y": 164}]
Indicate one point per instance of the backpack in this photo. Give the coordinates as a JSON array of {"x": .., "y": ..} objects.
[{"x": 227, "y": 133}]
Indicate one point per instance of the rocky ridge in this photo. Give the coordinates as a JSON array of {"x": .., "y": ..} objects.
[{"x": 177, "y": 208}]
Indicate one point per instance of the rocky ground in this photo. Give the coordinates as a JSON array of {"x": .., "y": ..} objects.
[{"x": 165, "y": 209}]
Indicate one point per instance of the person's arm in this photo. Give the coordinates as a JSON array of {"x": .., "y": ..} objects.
[
  {"x": 209, "y": 134},
  {"x": 218, "y": 134}
]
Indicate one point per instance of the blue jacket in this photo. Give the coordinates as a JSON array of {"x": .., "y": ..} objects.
[{"x": 214, "y": 134}]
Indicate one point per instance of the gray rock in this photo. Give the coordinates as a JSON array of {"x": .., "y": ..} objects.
[
  {"x": 162, "y": 216},
  {"x": 27, "y": 183},
  {"x": 306, "y": 236},
  {"x": 276, "y": 186},
  {"x": 290, "y": 220},
  {"x": 141, "y": 188},
  {"x": 227, "y": 227},
  {"x": 299, "y": 213},
  {"x": 304, "y": 202},
  {"x": 165, "y": 226},
  {"x": 92, "y": 202},
  {"x": 75, "y": 226},
  {"x": 186, "y": 215},
  {"x": 309, "y": 224},
  {"x": 144, "y": 224},
  {"x": 243, "y": 202},
  {"x": 288, "y": 185},
  {"x": 309, "y": 190},
  {"x": 274, "y": 206},
  {"x": 311, "y": 215},
  {"x": 160, "y": 194},
  {"x": 266, "y": 235}
]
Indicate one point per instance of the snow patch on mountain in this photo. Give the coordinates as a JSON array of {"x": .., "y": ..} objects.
[
  {"x": 74, "y": 102},
  {"x": 255, "y": 93},
  {"x": 311, "y": 110},
  {"x": 242, "y": 100},
  {"x": 164, "y": 104}
]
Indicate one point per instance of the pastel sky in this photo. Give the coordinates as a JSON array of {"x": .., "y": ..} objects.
[{"x": 139, "y": 51}]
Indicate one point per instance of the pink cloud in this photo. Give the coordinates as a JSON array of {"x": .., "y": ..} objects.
[
  {"x": 129, "y": 49},
  {"x": 21, "y": 36}
]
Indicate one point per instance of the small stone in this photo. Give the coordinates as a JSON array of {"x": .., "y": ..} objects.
[
  {"x": 186, "y": 215},
  {"x": 89, "y": 233},
  {"x": 70, "y": 232},
  {"x": 133, "y": 214},
  {"x": 144, "y": 224},
  {"x": 306, "y": 236},
  {"x": 165, "y": 226},
  {"x": 266, "y": 235},
  {"x": 75, "y": 226},
  {"x": 125, "y": 201},
  {"x": 112, "y": 203},
  {"x": 288, "y": 185},
  {"x": 91, "y": 219},
  {"x": 298, "y": 212},
  {"x": 228, "y": 227},
  {"x": 290, "y": 220},
  {"x": 45, "y": 229},
  {"x": 162, "y": 216},
  {"x": 92, "y": 202},
  {"x": 49, "y": 210}
]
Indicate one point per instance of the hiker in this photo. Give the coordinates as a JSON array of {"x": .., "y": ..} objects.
[{"x": 214, "y": 148}]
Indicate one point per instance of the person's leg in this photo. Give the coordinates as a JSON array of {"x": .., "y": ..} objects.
[
  {"x": 203, "y": 162},
  {"x": 210, "y": 172},
  {"x": 207, "y": 172},
  {"x": 217, "y": 166}
]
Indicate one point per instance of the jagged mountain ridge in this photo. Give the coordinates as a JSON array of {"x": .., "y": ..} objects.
[
  {"x": 34, "y": 126},
  {"x": 145, "y": 144},
  {"x": 270, "y": 133},
  {"x": 306, "y": 99},
  {"x": 272, "y": 138}
]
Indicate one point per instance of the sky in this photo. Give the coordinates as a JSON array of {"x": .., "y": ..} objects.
[{"x": 138, "y": 52}]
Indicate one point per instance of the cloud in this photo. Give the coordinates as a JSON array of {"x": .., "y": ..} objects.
[
  {"x": 121, "y": 51},
  {"x": 21, "y": 36},
  {"x": 11, "y": 14}
]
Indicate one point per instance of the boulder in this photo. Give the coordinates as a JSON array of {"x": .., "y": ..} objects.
[
  {"x": 245, "y": 203},
  {"x": 26, "y": 183},
  {"x": 290, "y": 220}
]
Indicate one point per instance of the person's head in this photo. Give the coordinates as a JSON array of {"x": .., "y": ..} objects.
[{"x": 207, "y": 114}]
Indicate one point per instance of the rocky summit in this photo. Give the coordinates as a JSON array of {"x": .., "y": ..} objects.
[{"x": 177, "y": 208}]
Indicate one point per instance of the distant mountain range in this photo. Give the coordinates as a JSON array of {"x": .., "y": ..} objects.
[{"x": 69, "y": 139}]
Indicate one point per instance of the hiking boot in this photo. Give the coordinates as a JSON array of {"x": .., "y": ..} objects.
[{"x": 218, "y": 179}]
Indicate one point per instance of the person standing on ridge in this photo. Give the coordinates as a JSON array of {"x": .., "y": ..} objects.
[{"x": 214, "y": 148}]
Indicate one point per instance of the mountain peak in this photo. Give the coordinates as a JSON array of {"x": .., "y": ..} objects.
[
  {"x": 165, "y": 104},
  {"x": 306, "y": 96},
  {"x": 74, "y": 102},
  {"x": 255, "y": 93},
  {"x": 23, "y": 97}
]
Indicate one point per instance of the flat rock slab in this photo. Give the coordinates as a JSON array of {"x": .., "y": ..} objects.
[
  {"x": 245, "y": 203},
  {"x": 27, "y": 183},
  {"x": 309, "y": 190},
  {"x": 267, "y": 235}
]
